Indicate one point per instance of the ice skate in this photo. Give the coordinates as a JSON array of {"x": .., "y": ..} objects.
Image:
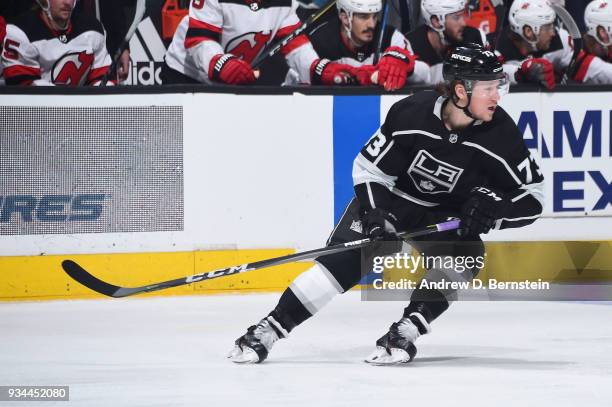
[
  {"x": 254, "y": 346},
  {"x": 397, "y": 346}
]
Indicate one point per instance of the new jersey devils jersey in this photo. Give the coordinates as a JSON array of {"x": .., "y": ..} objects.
[
  {"x": 34, "y": 53},
  {"x": 425, "y": 51},
  {"x": 593, "y": 70},
  {"x": 2, "y": 35},
  {"x": 329, "y": 43},
  {"x": 415, "y": 159},
  {"x": 559, "y": 53},
  {"x": 239, "y": 27}
]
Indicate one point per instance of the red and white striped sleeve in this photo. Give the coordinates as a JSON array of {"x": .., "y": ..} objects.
[
  {"x": 101, "y": 63},
  {"x": 299, "y": 52},
  {"x": 20, "y": 58},
  {"x": 203, "y": 37}
]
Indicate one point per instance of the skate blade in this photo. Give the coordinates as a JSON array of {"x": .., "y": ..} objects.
[
  {"x": 379, "y": 352},
  {"x": 397, "y": 357},
  {"x": 244, "y": 356}
]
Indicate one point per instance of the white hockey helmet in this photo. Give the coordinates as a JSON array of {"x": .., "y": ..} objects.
[
  {"x": 534, "y": 13},
  {"x": 599, "y": 13},
  {"x": 440, "y": 9},
  {"x": 357, "y": 6}
]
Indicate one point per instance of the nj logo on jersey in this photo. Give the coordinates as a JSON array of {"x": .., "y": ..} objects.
[
  {"x": 432, "y": 176},
  {"x": 72, "y": 69},
  {"x": 248, "y": 45}
]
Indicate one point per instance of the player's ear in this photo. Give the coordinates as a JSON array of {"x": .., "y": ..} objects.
[
  {"x": 435, "y": 22},
  {"x": 460, "y": 91},
  {"x": 344, "y": 18},
  {"x": 602, "y": 34},
  {"x": 528, "y": 33}
]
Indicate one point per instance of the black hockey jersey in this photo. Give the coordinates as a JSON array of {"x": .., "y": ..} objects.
[
  {"x": 413, "y": 156},
  {"x": 424, "y": 51}
]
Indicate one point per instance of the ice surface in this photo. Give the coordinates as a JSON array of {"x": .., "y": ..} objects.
[{"x": 171, "y": 352}]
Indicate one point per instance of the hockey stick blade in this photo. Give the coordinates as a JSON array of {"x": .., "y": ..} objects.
[
  {"x": 85, "y": 278},
  {"x": 574, "y": 31}
]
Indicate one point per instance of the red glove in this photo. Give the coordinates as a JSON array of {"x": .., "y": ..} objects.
[
  {"x": 230, "y": 69},
  {"x": 394, "y": 67},
  {"x": 536, "y": 70},
  {"x": 325, "y": 72},
  {"x": 363, "y": 74}
]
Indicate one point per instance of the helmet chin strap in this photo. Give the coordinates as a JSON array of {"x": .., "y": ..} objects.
[
  {"x": 466, "y": 108},
  {"x": 47, "y": 11}
]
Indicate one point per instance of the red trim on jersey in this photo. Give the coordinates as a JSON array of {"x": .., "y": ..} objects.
[
  {"x": 97, "y": 74},
  {"x": 21, "y": 70},
  {"x": 192, "y": 42},
  {"x": 200, "y": 27},
  {"x": 584, "y": 68},
  {"x": 285, "y": 31},
  {"x": 193, "y": 23},
  {"x": 294, "y": 44}
]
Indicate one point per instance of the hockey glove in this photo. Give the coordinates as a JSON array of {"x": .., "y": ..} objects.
[
  {"x": 325, "y": 72},
  {"x": 363, "y": 74},
  {"x": 536, "y": 70},
  {"x": 380, "y": 224},
  {"x": 394, "y": 67},
  {"x": 230, "y": 69},
  {"x": 480, "y": 212}
]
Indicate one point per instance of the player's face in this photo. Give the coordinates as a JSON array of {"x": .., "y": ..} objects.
[
  {"x": 547, "y": 33},
  {"x": 364, "y": 26},
  {"x": 61, "y": 9},
  {"x": 485, "y": 96},
  {"x": 455, "y": 24}
]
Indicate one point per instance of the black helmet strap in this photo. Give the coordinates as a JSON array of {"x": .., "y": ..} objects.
[{"x": 455, "y": 98}]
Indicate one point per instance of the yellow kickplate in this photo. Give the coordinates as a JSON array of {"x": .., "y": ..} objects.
[{"x": 42, "y": 277}]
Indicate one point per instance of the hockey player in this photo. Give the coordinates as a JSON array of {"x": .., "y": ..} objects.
[
  {"x": 444, "y": 28},
  {"x": 454, "y": 155},
  {"x": 45, "y": 47},
  {"x": 350, "y": 39},
  {"x": 219, "y": 39},
  {"x": 2, "y": 35},
  {"x": 594, "y": 63},
  {"x": 532, "y": 49}
]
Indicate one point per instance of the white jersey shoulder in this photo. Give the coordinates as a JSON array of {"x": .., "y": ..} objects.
[
  {"x": 35, "y": 54},
  {"x": 238, "y": 27}
]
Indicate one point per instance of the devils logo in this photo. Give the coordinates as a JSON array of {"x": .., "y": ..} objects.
[
  {"x": 72, "y": 69},
  {"x": 248, "y": 46}
]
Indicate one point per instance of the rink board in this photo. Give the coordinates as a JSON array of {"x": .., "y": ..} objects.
[
  {"x": 41, "y": 277},
  {"x": 140, "y": 186}
]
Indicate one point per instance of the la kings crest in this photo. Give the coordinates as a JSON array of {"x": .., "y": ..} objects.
[{"x": 433, "y": 176}]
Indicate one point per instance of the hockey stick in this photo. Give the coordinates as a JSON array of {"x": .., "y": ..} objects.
[
  {"x": 138, "y": 15},
  {"x": 381, "y": 32},
  {"x": 572, "y": 27},
  {"x": 500, "y": 13},
  {"x": 82, "y": 276},
  {"x": 273, "y": 48}
]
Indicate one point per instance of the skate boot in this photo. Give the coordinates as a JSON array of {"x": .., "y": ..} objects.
[
  {"x": 397, "y": 346},
  {"x": 254, "y": 346}
]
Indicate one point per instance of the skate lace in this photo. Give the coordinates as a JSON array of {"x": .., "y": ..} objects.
[
  {"x": 408, "y": 330},
  {"x": 265, "y": 333}
]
